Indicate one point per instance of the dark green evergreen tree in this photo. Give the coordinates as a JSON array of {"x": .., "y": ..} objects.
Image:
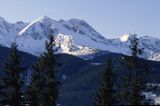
[
  {"x": 34, "y": 92},
  {"x": 44, "y": 86},
  {"x": 134, "y": 80},
  {"x": 49, "y": 64},
  {"x": 105, "y": 95},
  {"x": 12, "y": 81}
]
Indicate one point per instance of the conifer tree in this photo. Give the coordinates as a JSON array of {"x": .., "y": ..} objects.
[
  {"x": 34, "y": 92},
  {"x": 12, "y": 81},
  {"x": 134, "y": 80},
  {"x": 105, "y": 95},
  {"x": 43, "y": 90},
  {"x": 49, "y": 64}
]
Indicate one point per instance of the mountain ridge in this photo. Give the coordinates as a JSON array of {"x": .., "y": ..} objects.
[{"x": 74, "y": 37}]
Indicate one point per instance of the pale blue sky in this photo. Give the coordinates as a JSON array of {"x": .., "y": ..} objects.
[{"x": 109, "y": 17}]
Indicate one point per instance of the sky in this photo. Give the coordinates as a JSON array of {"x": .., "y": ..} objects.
[{"x": 111, "y": 18}]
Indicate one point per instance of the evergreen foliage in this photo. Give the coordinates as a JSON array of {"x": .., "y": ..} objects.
[
  {"x": 44, "y": 86},
  {"x": 105, "y": 96},
  {"x": 12, "y": 82},
  {"x": 35, "y": 89},
  {"x": 134, "y": 79}
]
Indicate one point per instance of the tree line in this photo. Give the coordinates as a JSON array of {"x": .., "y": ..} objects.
[
  {"x": 133, "y": 82},
  {"x": 43, "y": 85}
]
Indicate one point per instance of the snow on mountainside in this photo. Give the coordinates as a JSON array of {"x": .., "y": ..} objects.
[
  {"x": 74, "y": 36},
  {"x": 8, "y": 31}
]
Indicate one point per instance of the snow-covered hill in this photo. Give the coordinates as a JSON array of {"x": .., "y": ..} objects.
[{"x": 74, "y": 36}]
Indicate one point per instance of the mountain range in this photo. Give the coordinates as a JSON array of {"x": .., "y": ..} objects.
[
  {"x": 82, "y": 51},
  {"x": 75, "y": 37}
]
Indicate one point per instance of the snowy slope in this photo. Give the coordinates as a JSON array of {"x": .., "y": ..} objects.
[
  {"x": 8, "y": 31},
  {"x": 151, "y": 46},
  {"x": 74, "y": 36}
]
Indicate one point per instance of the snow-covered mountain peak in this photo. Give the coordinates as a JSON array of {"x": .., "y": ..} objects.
[
  {"x": 38, "y": 28},
  {"x": 150, "y": 43},
  {"x": 4, "y": 27},
  {"x": 126, "y": 37},
  {"x": 149, "y": 38},
  {"x": 79, "y": 21},
  {"x": 43, "y": 26},
  {"x": 43, "y": 19},
  {"x": 2, "y": 19},
  {"x": 3, "y": 22},
  {"x": 74, "y": 36}
]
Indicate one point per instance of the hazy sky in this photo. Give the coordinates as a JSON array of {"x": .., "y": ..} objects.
[{"x": 111, "y": 18}]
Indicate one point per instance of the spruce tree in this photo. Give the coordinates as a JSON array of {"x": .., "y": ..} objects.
[
  {"x": 43, "y": 90},
  {"x": 134, "y": 80},
  {"x": 34, "y": 92},
  {"x": 49, "y": 64},
  {"x": 105, "y": 95},
  {"x": 12, "y": 81}
]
